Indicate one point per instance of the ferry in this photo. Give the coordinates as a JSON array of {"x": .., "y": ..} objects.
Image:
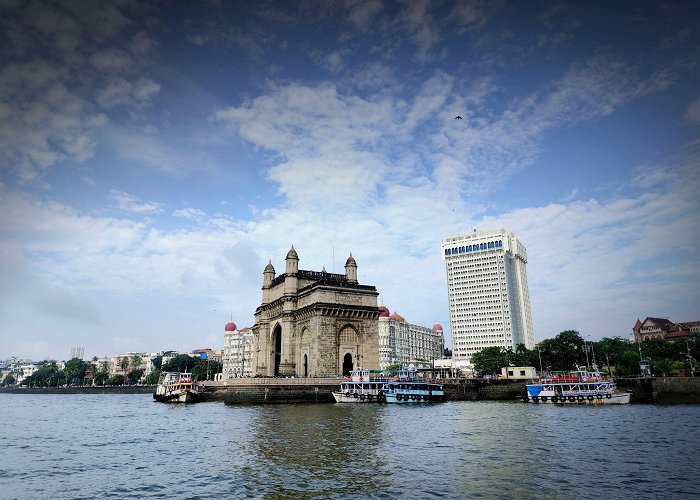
[
  {"x": 176, "y": 387},
  {"x": 577, "y": 387},
  {"x": 360, "y": 387},
  {"x": 406, "y": 388}
]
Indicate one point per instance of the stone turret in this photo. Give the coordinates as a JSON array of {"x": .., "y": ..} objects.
[
  {"x": 292, "y": 262},
  {"x": 291, "y": 271},
  {"x": 268, "y": 276},
  {"x": 351, "y": 269}
]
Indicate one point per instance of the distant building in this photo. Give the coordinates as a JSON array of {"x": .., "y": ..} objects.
[
  {"x": 237, "y": 358},
  {"x": 315, "y": 323},
  {"x": 488, "y": 292},
  {"x": 401, "y": 342},
  {"x": 663, "y": 328},
  {"x": 518, "y": 372},
  {"x": 77, "y": 352}
]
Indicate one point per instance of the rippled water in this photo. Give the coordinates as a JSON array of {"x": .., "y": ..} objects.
[{"x": 127, "y": 446}]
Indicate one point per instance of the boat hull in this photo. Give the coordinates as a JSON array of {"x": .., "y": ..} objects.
[
  {"x": 354, "y": 397},
  {"x": 604, "y": 399},
  {"x": 182, "y": 397},
  {"x": 398, "y": 398}
]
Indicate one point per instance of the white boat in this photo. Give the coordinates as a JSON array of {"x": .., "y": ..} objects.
[
  {"x": 406, "y": 388},
  {"x": 575, "y": 387},
  {"x": 361, "y": 387},
  {"x": 176, "y": 387}
]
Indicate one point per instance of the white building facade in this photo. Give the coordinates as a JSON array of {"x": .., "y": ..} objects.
[
  {"x": 237, "y": 358},
  {"x": 488, "y": 292},
  {"x": 401, "y": 342}
]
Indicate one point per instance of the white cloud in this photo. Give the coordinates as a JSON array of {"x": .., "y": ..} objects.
[
  {"x": 189, "y": 213},
  {"x": 693, "y": 113},
  {"x": 129, "y": 203}
]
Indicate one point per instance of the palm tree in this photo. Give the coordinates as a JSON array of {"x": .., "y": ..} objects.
[
  {"x": 124, "y": 365},
  {"x": 136, "y": 362}
]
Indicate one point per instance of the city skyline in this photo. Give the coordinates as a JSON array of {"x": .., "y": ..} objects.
[{"x": 154, "y": 157}]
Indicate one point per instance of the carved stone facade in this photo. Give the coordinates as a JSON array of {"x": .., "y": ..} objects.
[{"x": 315, "y": 324}]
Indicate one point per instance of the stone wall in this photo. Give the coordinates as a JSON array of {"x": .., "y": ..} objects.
[{"x": 663, "y": 390}]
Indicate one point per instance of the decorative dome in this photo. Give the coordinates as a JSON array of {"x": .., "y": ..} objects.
[
  {"x": 383, "y": 312},
  {"x": 292, "y": 254},
  {"x": 350, "y": 261},
  {"x": 230, "y": 327},
  {"x": 437, "y": 327},
  {"x": 269, "y": 268},
  {"x": 397, "y": 317}
]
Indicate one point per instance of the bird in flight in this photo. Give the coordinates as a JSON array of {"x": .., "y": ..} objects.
[{"x": 458, "y": 117}]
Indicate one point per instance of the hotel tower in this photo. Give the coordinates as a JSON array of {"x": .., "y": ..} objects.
[{"x": 488, "y": 294}]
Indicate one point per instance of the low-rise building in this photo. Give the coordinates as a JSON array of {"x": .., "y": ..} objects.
[
  {"x": 663, "y": 328},
  {"x": 518, "y": 372}
]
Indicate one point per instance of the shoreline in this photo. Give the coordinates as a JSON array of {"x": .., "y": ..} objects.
[{"x": 659, "y": 390}]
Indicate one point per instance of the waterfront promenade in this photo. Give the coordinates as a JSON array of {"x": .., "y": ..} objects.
[{"x": 671, "y": 390}]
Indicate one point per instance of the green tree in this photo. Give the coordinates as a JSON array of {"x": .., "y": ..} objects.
[
  {"x": 181, "y": 363},
  {"x": 563, "y": 352},
  {"x": 152, "y": 378},
  {"x": 75, "y": 370},
  {"x": 115, "y": 380},
  {"x": 100, "y": 372},
  {"x": 124, "y": 364},
  {"x": 135, "y": 375},
  {"x": 136, "y": 362},
  {"x": 490, "y": 360},
  {"x": 157, "y": 362},
  {"x": 205, "y": 369},
  {"x": 46, "y": 375},
  {"x": 9, "y": 380}
]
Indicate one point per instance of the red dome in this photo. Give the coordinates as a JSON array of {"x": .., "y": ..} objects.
[
  {"x": 437, "y": 327},
  {"x": 397, "y": 317},
  {"x": 230, "y": 327},
  {"x": 383, "y": 312}
]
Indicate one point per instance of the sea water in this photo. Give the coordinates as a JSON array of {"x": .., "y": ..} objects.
[{"x": 128, "y": 446}]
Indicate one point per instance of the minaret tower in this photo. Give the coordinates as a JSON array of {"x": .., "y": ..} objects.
[{"x": 351, "y": 269}]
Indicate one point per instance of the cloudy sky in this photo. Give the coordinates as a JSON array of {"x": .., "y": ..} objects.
[{"x": 154, "y": 156}]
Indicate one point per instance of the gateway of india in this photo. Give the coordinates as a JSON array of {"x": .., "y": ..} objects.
[{"x": 315, "y": 324}]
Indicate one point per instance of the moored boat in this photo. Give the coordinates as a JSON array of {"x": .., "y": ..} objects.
[
  {"x": 406, "y": 388},
  {"x": 577, "y": 387},
  {"x": 176, "y": 387},
  {"x": 361, "y": 387}
]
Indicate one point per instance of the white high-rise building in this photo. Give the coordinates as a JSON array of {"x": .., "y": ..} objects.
[{"x": 488, "y": 293}]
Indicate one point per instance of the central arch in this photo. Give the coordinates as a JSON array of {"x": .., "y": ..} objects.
[
  {"x": 277, "y": 343},
  {"x": 347, "y": 364}
]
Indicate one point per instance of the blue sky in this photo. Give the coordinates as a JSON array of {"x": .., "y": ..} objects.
[{"x": 156, "y": 155}]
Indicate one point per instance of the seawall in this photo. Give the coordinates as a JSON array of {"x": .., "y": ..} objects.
[
  {"x": 280, "y": 390},
  {"x": 128, "y": 389},
  {"x": 659, "y": 390}
]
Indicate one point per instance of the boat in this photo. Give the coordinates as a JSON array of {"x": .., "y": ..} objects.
[
  {"x": 406, "y": 388},
  {"x": 176, "y": 387},
  {"x": 361, "y": 387},
  {"x": 578, "y": 386}
]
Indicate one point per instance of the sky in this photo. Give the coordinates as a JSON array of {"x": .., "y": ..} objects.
[{"x": 155, "y": 156}]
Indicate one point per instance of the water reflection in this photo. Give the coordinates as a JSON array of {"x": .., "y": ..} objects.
[{"x": 314, "y": 450}]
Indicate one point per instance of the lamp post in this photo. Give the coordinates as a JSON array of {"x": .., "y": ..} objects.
[{"x": 243, "y": 366}]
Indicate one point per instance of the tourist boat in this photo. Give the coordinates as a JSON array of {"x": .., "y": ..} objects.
[
  {"x": 577, "y": 387},
  {"x": 406, "y": 388},
  {"x": 360, "y": 387},
  {"x": 176, "y": 387}
]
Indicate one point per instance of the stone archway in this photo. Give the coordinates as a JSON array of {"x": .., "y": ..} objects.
[
  {"x": 348, "y": 350},
  {"x": 347, "y": 364},
  {"x": 277, "y": 349}
]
